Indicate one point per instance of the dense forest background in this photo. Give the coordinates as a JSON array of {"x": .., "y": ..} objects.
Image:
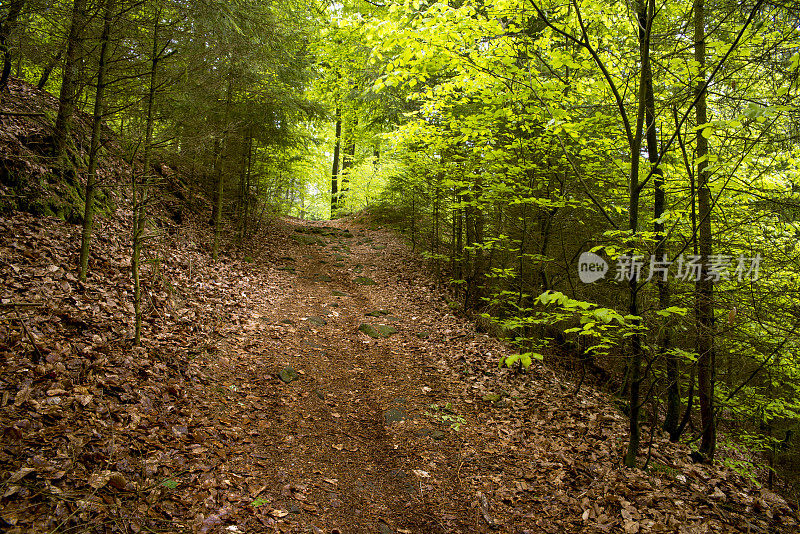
[{"x": 504, "y": 140}]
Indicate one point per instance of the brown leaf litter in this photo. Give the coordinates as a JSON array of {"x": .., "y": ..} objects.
[{"x": 194, "y": 432}]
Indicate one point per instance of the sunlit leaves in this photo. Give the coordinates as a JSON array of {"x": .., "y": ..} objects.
[
  {"x": 525, "y": 359},
  {"x": 515, "y": 122}
]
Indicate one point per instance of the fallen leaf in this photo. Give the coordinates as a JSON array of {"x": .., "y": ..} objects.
[{"x": 21, "y": 473}]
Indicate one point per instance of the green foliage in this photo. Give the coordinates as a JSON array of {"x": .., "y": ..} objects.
[
  {"x": 744, "y": 468},
  {"x": 445, "y": 414},
  {"x": 663, "y": 468},
  {"x": 514, "y": 157},
  {"x": 259, "y": 502},
  {"x": 501, "y": 139},
  {"x": 524, "y": 359},
  {"x": 603, "y": 328}
]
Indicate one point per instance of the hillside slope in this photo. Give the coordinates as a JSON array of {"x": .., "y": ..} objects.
[{"x": 31, "y": 180}]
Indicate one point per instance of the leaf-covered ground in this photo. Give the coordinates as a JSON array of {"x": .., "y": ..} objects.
[{"x": 259, "y": 403}]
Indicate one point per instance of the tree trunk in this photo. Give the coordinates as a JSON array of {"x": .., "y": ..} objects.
[
  {"x": 635, "y": 367},
  {"x": 6, "y": 27},
  {"x": 240, "y": 194},
  {"x": 97, "y": 121},
  {"x": 704, "y": 303},
  {"x": 49, "y": 69},
  {"x": 479, "y": 272},
  {"x": 335, "y": 171},
  {"x": 220, "y": 195},
  {"x": 673, "y": 392},
  {"x": 245, "y": 193},
  {"x": 545, "y": 226},
  {"x": 475, "y": 261},
  {"x": 69, "y": 82},
  {"x": 140, "y": 206},
  {"x": 348, "y": 159},
  {"x": 459, "y": 273}
]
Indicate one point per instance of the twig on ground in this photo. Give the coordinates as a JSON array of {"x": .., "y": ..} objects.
[
  {"x": 483, "y": 503},
  {"x": 39, "y": 356}
]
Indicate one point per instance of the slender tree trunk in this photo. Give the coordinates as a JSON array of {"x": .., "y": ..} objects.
[
  {"x": 348, "y": 159},
  {"x": 460, "y": 237},
  {"x": 524, "y": 248},
  {"x": 6, "y": 27},
  {"x": 140, "y": 208},
  {"x": 544, "y": 242},
  {"x": 241, "y": 200},
  {"x": 479, "y": 261},
  {"x": 453, "y": 250},
  {"x": 469, "y": 238},
  {"x": 704, "y": 302},
  {"x": 474, "y": 260},
  {"x": 435, "y": 227},
  {"x": 413, "y": 221},
  {"x": 69, "y": 82},
  {"x": 48, "y": 69},
  {"x": 97, "y": 122},
  {"x": 673, "y": 392},
  {"x": 635, "y": 367},
  {"x": 220, "y": 196},
  {"x": 335, "y": 171},
  {"x": 246, "y": 190}
]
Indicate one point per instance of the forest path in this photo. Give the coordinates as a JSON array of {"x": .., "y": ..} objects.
[{"x": 346, "y": 446}]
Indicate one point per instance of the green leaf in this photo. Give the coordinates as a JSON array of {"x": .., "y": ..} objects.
[
  {"x": 673, "y": 310},
  {"x": 259, "y": 502}
]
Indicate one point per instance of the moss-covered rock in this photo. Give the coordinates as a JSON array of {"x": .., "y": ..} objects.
[
  {"x": 377, "y": 332},
  {"x": 387, "y": 330},
  {"x": 309, "y": 240},
  {"x": 288, "y": 375}
]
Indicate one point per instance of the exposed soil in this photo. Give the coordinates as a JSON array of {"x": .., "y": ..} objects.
[{"x": 415, "y": 432}]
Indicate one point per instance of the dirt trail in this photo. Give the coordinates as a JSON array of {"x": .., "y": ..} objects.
[{"x": 322, "y": 449}]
